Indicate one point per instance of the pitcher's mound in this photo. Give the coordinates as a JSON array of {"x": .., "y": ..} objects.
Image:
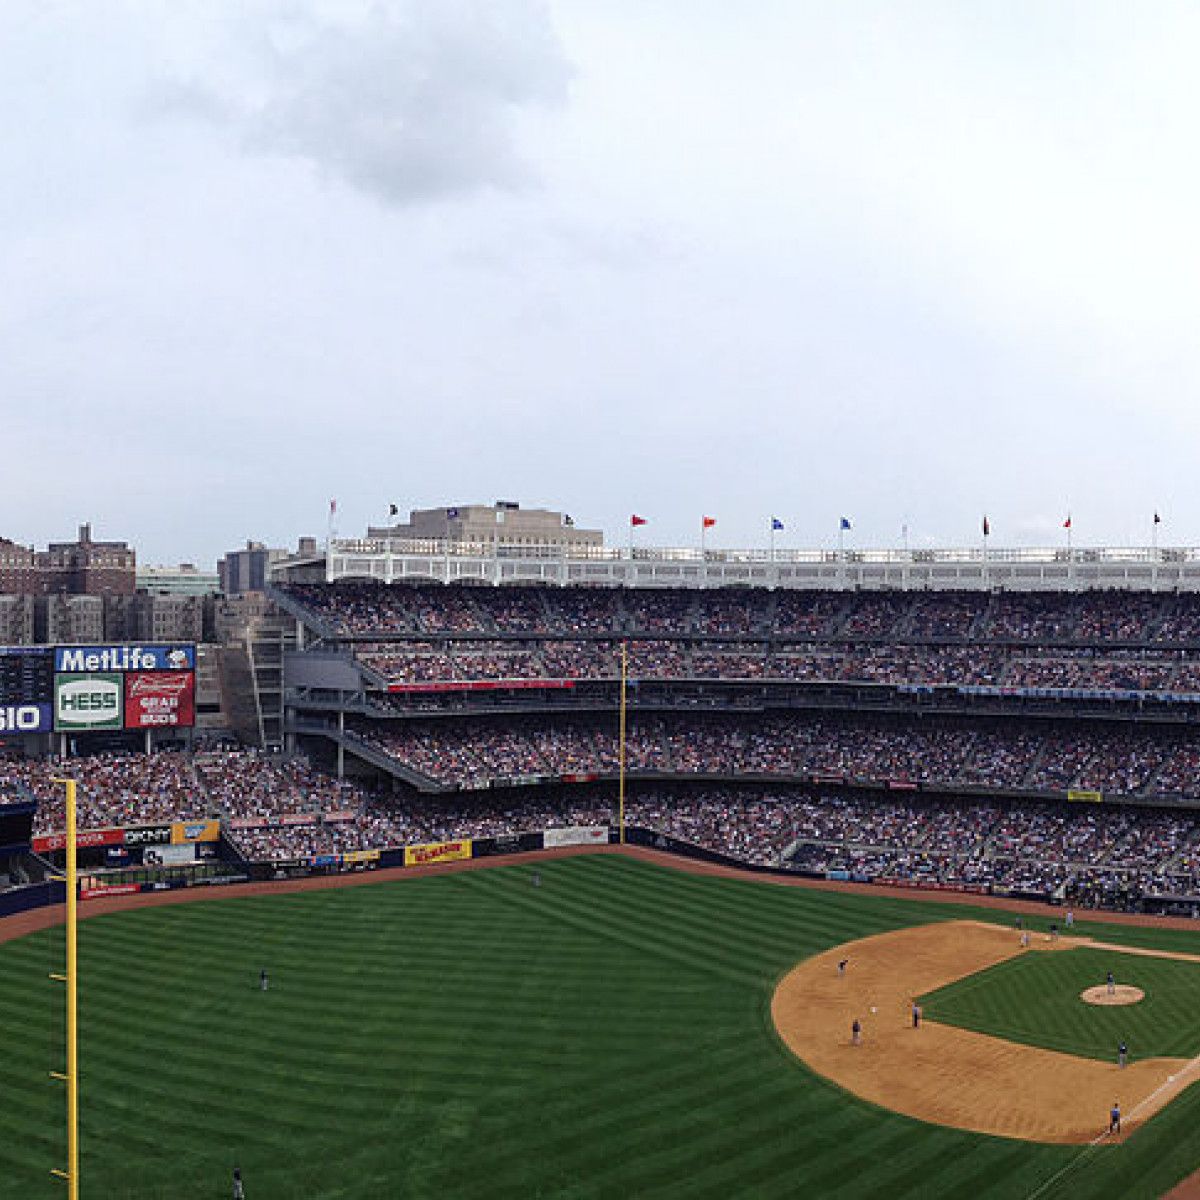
[{"x": 1123, "y": 993}]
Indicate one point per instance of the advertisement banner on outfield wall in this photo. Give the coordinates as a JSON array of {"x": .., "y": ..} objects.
[
  {"x": 85, "y": 838},
  {"x": 93, "y": 888},
  {"x": 436, "y": 852},
  {"x": 576, "y": 835},
  {"x": 195, "y": 831},
  {"x": 160, "y": 699},
  {"x": 1085, "y": 797},
  {"x": 359, "y": 858},
  {"x": 168, "y": 856},
  {"x": 148, "y": 835},
  {"x": 506, "y": 843}
]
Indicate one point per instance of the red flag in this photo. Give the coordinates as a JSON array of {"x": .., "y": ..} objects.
[
  {"x": 635, "y": 520},
  {"x": 987, "y": 529},
  {"x": 1067, "y": 522},
  {"x": 708, "y": 522}
]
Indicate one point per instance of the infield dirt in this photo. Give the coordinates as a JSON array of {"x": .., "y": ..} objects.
[{"x": 947, "y": 1075}]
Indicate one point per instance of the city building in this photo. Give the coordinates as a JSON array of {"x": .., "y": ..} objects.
[
  {"x": 70, "y": 619},
  {"x": 16, "y": 620},
  {"x": 87, "y": 568},
  {"x": 19, "y": 574},
  {"x": 504, "y": 523},
  {"x": 249, "y": 570},
  {"x": 183, "y": 580}
]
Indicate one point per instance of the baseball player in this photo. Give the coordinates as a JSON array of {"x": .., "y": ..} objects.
[
  {"x": 537, "y": 879},
  {"x": 1070, "y": 922},
  {"x": 1112, "y": 984},
  {"x": 1122, "y": 1054},
  {"x": 856, "y": 1033},
  {"x": 238, "y": 1192},
  {"x": 1114, "y": 1118},
  {"x": 842, "y": 967},
  {"x": 264, "y": 980},
  {"x": 916, "y": 1015}
]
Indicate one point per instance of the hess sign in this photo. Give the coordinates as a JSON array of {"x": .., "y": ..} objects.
[{"x": 86, "y": 702}]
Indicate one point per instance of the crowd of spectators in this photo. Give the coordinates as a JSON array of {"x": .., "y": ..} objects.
[
  {"x": 1090, "y": 617},
  {"x": 1010, "y": 756},
  {"x": 1095, "y": 641},
  {"x": 891, "y": 663},
  {"x": 284, "y": 809},
  {"x": 1108, "y": 857},
  {"x": 113, "y": 789}
]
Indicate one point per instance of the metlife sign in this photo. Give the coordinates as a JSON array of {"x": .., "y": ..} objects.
[
  {"x": 87, "y": 702},
  {"x": 80, "y": 659}
]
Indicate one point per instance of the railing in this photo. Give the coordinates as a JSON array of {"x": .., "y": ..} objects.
[{"x": 959, "y": 556}]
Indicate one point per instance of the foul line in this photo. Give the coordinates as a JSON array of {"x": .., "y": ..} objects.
[{"x": 1174, "y": 1082}]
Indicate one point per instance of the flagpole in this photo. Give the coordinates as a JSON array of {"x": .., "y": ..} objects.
[
  {"x": 772, "y": 540},
  {"x": 703, "y": 531}
]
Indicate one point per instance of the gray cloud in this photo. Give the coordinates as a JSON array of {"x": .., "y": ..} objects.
[{"x": 408, "y": 100}]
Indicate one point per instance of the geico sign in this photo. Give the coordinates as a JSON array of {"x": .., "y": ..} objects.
[
  {"x": 20, "y": 718},
  {"x": 88, "y": 701}
]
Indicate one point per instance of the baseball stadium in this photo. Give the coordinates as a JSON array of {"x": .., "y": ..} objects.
[{"x": 496, "y": 870}]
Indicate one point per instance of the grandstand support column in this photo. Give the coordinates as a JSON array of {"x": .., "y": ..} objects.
[
  {"x": 341, "y": 751},
  {"x": 621, "y": 744}
]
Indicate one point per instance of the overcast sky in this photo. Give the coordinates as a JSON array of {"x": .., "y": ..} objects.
[{"x": 903, "y": 262}]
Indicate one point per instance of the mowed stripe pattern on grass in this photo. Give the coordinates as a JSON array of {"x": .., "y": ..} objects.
[{"x": 606, "y": 1034}]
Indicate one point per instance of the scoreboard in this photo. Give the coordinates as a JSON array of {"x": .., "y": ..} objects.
[
  {"x": 26, "y": 674},
  {"x": 94, "y": 688},
  {"x": 26, "y": 689}
]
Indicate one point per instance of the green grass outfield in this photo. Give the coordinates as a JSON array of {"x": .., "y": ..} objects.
[
  {"x": 1035, "y": 999},
  {"x": 468, "y": 1035}
]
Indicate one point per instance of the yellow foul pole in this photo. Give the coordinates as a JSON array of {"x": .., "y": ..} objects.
[
  {"x": 71, "y": 980},
  {"x": 621, "y": 744}
]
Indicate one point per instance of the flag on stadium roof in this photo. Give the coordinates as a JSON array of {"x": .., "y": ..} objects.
[
  {"x": 636, "y": 520},
  {"x": 568, "y": 519},
  {"x": 333, "y": 506},
  {"x": 845, "y": 523},
  {"x": 1157, "y": 519},
  {"x": 987, "y": 528},
  {"x": 776, "y": 523},
  {"x": 393, "y": 510},
  {"x": 1067, "y": 522},
  {"x": 707, "y": 522}
]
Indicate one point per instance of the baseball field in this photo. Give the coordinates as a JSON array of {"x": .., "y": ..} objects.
[{"x": 614, "y": 1031}]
